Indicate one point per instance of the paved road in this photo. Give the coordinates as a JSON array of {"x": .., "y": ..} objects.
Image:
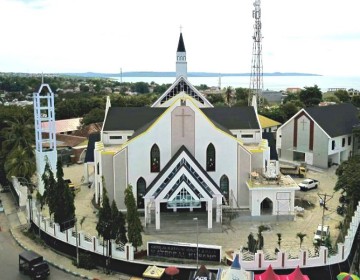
[{"x": 9, "y": 257}]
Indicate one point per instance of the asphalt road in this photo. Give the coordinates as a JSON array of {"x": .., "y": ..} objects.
[{"x": 9, "y": 257}]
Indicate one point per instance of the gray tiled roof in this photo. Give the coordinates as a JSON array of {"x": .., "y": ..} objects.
[
  {"x": 233, "y": 118},
  {"x": 130, "y": 118},
  {"x": 134, "y": 118},
  {"x": 94, "y": 137},
  {"x": 336, "y": 120}
]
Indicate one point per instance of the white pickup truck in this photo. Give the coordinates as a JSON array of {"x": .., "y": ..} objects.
[{"x": 309, "y": 184}]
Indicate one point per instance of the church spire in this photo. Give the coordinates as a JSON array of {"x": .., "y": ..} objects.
[
  {"x": 181, "y": 45},
  {"x": 181, "y": 64}
]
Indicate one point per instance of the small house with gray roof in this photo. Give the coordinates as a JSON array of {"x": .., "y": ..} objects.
[{"x": 319, "y": 136}]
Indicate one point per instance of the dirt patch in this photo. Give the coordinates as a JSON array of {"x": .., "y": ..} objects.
[{"x": 304, "y": 203}]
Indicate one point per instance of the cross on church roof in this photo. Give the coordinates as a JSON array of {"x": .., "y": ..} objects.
[
  {"x": 303, "y": 124},
  {"x": 183, "y": 115}
]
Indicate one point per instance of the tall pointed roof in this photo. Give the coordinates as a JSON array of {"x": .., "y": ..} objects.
[{"x": 181, "y": 45}]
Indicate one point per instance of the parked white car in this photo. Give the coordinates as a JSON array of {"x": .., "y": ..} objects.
[
  {"x": 325, "y": 233},
  {"x": 309, "y": 184}
]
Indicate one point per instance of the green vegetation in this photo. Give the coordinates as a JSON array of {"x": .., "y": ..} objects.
[
  {"x": 17, "y": 138},
  {"x": 58, "y": 196},
  {"x": 133, "y": 219},
  {"x": 256, "y": 244},
  {"x": 86, "y": 98},
  {"x": 349, "y": 179},
  {"x": 301, "y": 237}
]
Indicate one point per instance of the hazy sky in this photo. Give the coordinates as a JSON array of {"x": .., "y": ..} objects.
[{"x": 313, "y": 36}]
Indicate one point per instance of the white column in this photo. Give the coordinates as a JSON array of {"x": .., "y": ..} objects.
[
  {"x": 157, "y": 215},
  {"x": 145, "y": 212},
  {"x": 209, "y": 210},
  {"x": 218, "y": 209},
  {"x": 86, "y": 173},
  {"x": 150, "y": 202}
]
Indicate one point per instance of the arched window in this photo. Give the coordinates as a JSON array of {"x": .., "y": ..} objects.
[
  {"x": 210, "y": 158},
  {"x": 140, "y": 192},
  {"x": 155, "y": 159},
  {"x": 224, "y": 188}
]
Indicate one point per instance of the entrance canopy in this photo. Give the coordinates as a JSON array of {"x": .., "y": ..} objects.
[{"x": 183, "y": 183}]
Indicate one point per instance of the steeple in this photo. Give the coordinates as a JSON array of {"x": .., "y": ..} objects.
[
  {"x": 181, "y": 64},
  {"x": 181, "y": 45}
]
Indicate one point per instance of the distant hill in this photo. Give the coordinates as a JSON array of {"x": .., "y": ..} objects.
[{"x": 173, "y": 74}]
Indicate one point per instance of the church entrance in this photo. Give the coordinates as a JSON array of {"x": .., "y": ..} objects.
[
  {"x": 266, "y": 207},
  {"x": 183, "y": 221},
  {"x": 164, "y": 207}
]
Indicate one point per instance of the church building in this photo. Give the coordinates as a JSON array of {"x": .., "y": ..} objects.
[{"x": 184, "y": 154}]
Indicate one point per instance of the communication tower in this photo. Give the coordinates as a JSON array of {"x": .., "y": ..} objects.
[{"x": 256, "y": 77}]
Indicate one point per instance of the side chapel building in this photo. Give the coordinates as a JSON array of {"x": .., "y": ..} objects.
[
  {"x": 184, "y": 154},
  {"x": 320, "y": 136}
]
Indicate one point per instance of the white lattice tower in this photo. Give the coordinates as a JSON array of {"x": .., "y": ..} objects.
[
  {"x": 256, "y": 78},
  {"x": 45, "y": 131}
]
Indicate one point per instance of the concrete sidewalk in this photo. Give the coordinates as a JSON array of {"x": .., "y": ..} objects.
[{"x": 18, "y": 223}]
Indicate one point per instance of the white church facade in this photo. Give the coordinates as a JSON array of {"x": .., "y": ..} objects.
[{"x": 183, "y": 154}]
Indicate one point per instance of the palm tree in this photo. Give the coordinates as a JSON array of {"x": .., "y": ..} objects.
[
  {"x": 18, "y": 133},
  {"x": 17, "y": 147},
  {"x": 20, "y": 163},
  {"x": 228, "y": 95},
  {"x": 301, "y": 237}
]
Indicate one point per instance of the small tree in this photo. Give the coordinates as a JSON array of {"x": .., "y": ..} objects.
[
  {"x": 251, "y": 243},
  {"x": 256, "y": 244},
  {"x": 301, "y": 237},
  {"x": 260, "y": 241},
  {"x": 343, "y": 95},
  {"x": 279, "y": 240},
  {"x": 311, "y": 96},
  {"x": 228, "y": 96},
  {"x": 65, "y": 207},
  {"x": 103, "y": 226},
  {"x": 133, "y": 220},
  {"x": 50, "y": 194},
  {"x": 118, "y": 231}
]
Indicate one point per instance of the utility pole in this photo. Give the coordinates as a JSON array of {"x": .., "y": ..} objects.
[
  {"x": 77, "y": 243},
  {"x": 324, "y": 198}
]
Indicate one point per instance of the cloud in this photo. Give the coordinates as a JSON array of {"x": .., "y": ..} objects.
[{"x": 104, "y": 36}]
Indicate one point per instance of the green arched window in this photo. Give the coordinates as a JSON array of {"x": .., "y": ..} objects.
[
  {"x": 224, "y": 188},
  {"x": 210, "y": 158},
  {"x": 140, "y": 192},
  {"x": 155, "y": 159}
]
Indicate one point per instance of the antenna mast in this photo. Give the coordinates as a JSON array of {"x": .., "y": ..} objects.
[{"x": 256, "y": 78}]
